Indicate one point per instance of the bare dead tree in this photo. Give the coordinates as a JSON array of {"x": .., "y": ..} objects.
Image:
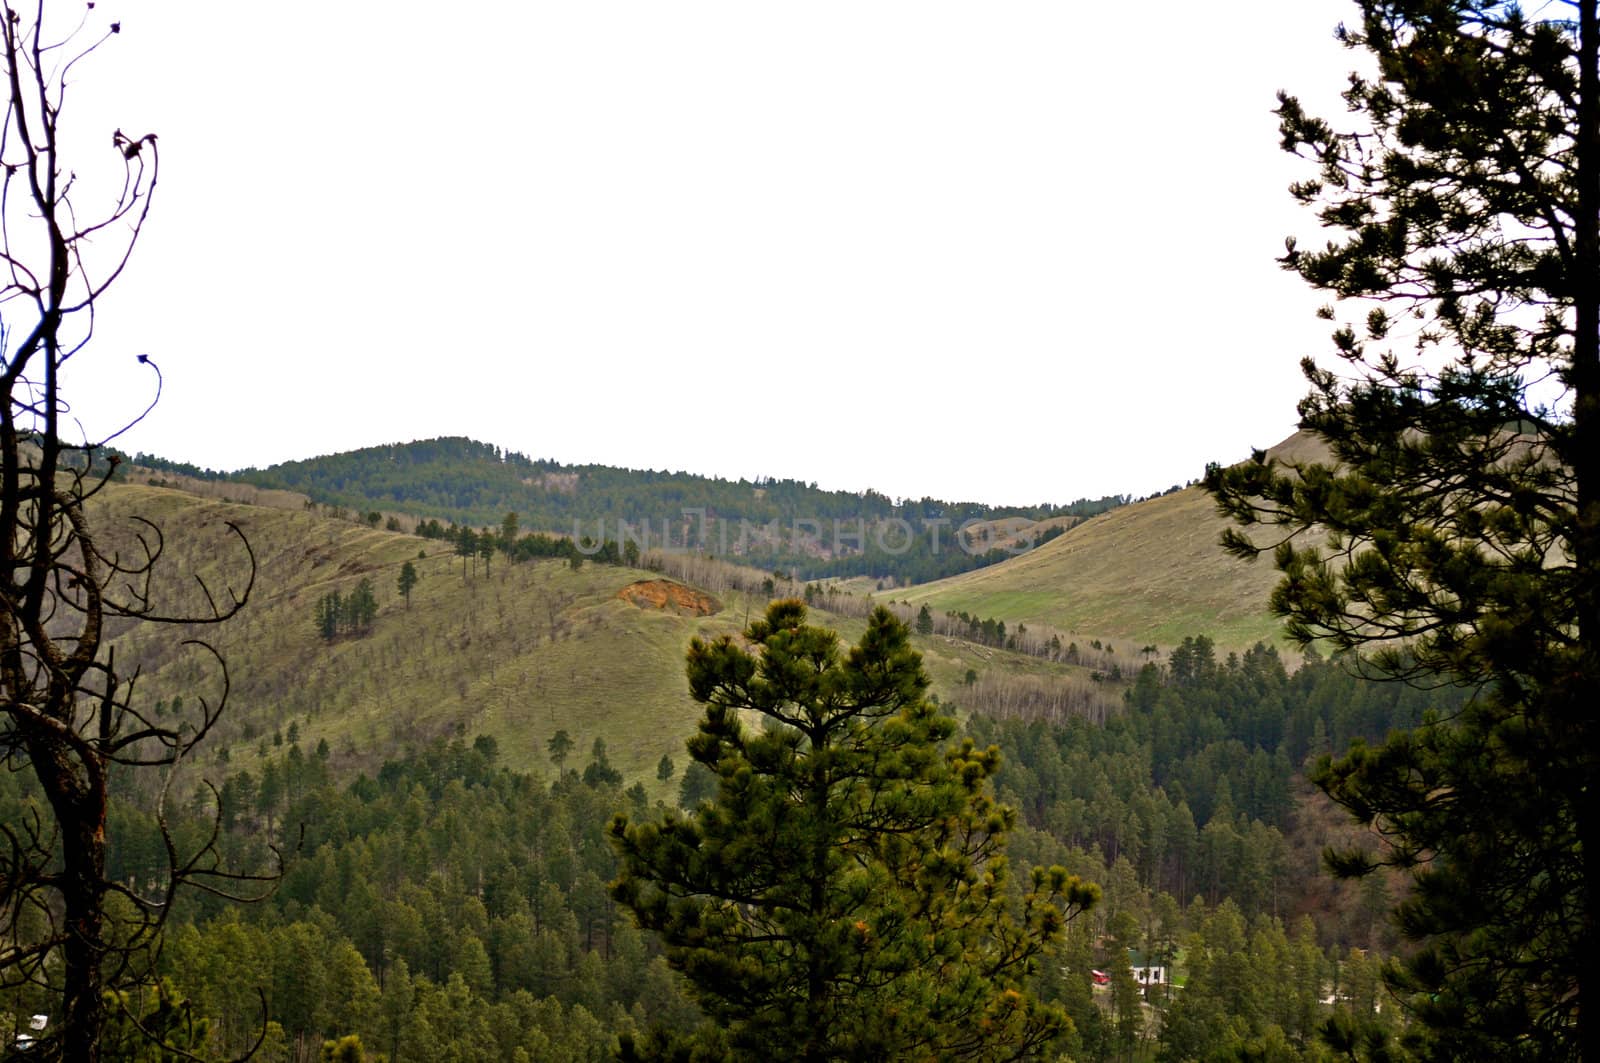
[{"x": 68, "y": 717}]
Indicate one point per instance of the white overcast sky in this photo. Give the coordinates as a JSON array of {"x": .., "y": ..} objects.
[{"x": 1006, "y": 251}]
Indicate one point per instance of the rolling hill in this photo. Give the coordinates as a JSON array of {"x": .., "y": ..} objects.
[
  {"x": 516, "y": 652},
  {"x": 1150, "y": 572},
  {"x": 519, "y": 651},
  {"x": 782, "y": 524}
]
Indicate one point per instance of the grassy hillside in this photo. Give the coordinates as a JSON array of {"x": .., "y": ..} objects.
[
  {"x": 517, "y": 654},
  {"x": 1150, "y": 572}
]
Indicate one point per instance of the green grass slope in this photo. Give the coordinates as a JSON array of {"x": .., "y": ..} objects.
[
  {"x": 526, "y": 651},
  {"x": 1150, "y": 572},
  {"x": 518, "y": 654}
]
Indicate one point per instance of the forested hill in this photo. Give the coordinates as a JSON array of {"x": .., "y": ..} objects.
[
  {"x": 785, "y": 523},
  {"x": 446, "y": 906}
]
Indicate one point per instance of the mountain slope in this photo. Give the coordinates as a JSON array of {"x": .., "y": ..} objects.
[
  {"x": 1151, "y": 572},
  {"x": 517, "y": 654}
]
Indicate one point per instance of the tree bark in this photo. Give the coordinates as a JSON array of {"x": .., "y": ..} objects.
[{"x": 76, "y": 792}]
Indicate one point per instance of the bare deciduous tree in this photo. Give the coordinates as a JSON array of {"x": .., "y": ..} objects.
[{"x": 68, "y": 718}]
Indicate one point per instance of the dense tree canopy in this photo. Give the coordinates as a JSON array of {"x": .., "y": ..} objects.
[
  {"x": 1451, "y": 535},
  {"x": 446, "y": 907}
]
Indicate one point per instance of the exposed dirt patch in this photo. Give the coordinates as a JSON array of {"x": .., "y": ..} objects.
[
  {"x": 664, "y": 594},
  {"x": 561, "y": 483}
]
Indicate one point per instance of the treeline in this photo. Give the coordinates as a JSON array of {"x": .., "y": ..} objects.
[
  {"x": 1040, "y": 641},
  {"x": 471, "y": 545},
  {"x": 782, "y": 523},
  {"x": 916, "y": 565}
]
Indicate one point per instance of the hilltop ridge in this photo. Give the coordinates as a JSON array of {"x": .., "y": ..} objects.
[{"x": 778, "y": 523}]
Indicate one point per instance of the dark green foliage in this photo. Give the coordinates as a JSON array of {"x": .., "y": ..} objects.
[
  {"x": 1254, "y": 992},
  {"x": 446, "y": 909},
  {"x": 407, "y": 581},
  {"x": 699, "y": 783},
  {"x": 443, "y": 845},
  {"x": 337, "y": 614},
  {"x": 1193, "y": 784},
  {"x": 361, "y": 608},
  {"x": 329, "y": 614},
  {"x": 844, "y": 894},
  {"x": 924, "y": 621},
  {"x": 1455, "y": 534},
  {"x": 559, "y": 746},
  {"x": 599, "y": 771},
  {"x": 152, "y": 1024}
]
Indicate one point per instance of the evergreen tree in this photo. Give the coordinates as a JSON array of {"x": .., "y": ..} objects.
[
  {"x": 599, "y": 772},
  {"x": 924, "y": 621},
  {"x": 699, "y": 783},
  {"x": 486, "y": 548},
  {"x": 559, "y": 746},
  {"x": 407, "y": 581},
  {"x": 329, "y": 613},
  {"x": 361, "y": 607},
  {"x": 845, "y": 895},
  {"x": 151, "y": 1025},
  {"x": 1461, "y": 503},
  {"x": 1126, "y": 1005}
]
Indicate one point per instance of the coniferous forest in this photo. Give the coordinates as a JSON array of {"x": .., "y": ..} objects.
[{"x": 449, "y": 907}]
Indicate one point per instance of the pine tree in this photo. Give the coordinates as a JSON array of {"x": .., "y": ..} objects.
[
  {"x": 845, "y": 895},
  {"x": 599, "y": 772},
  {"x": 407, "y": 581},
  {"x": 508, "y": 533},
  {"x": 329, "y": 615},
  {"x": 559, "y": 746},
  {"x": 361, "y": 607},
  {"x": 486, "y": 548},
  {"x": 1453, "y": 534}
]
